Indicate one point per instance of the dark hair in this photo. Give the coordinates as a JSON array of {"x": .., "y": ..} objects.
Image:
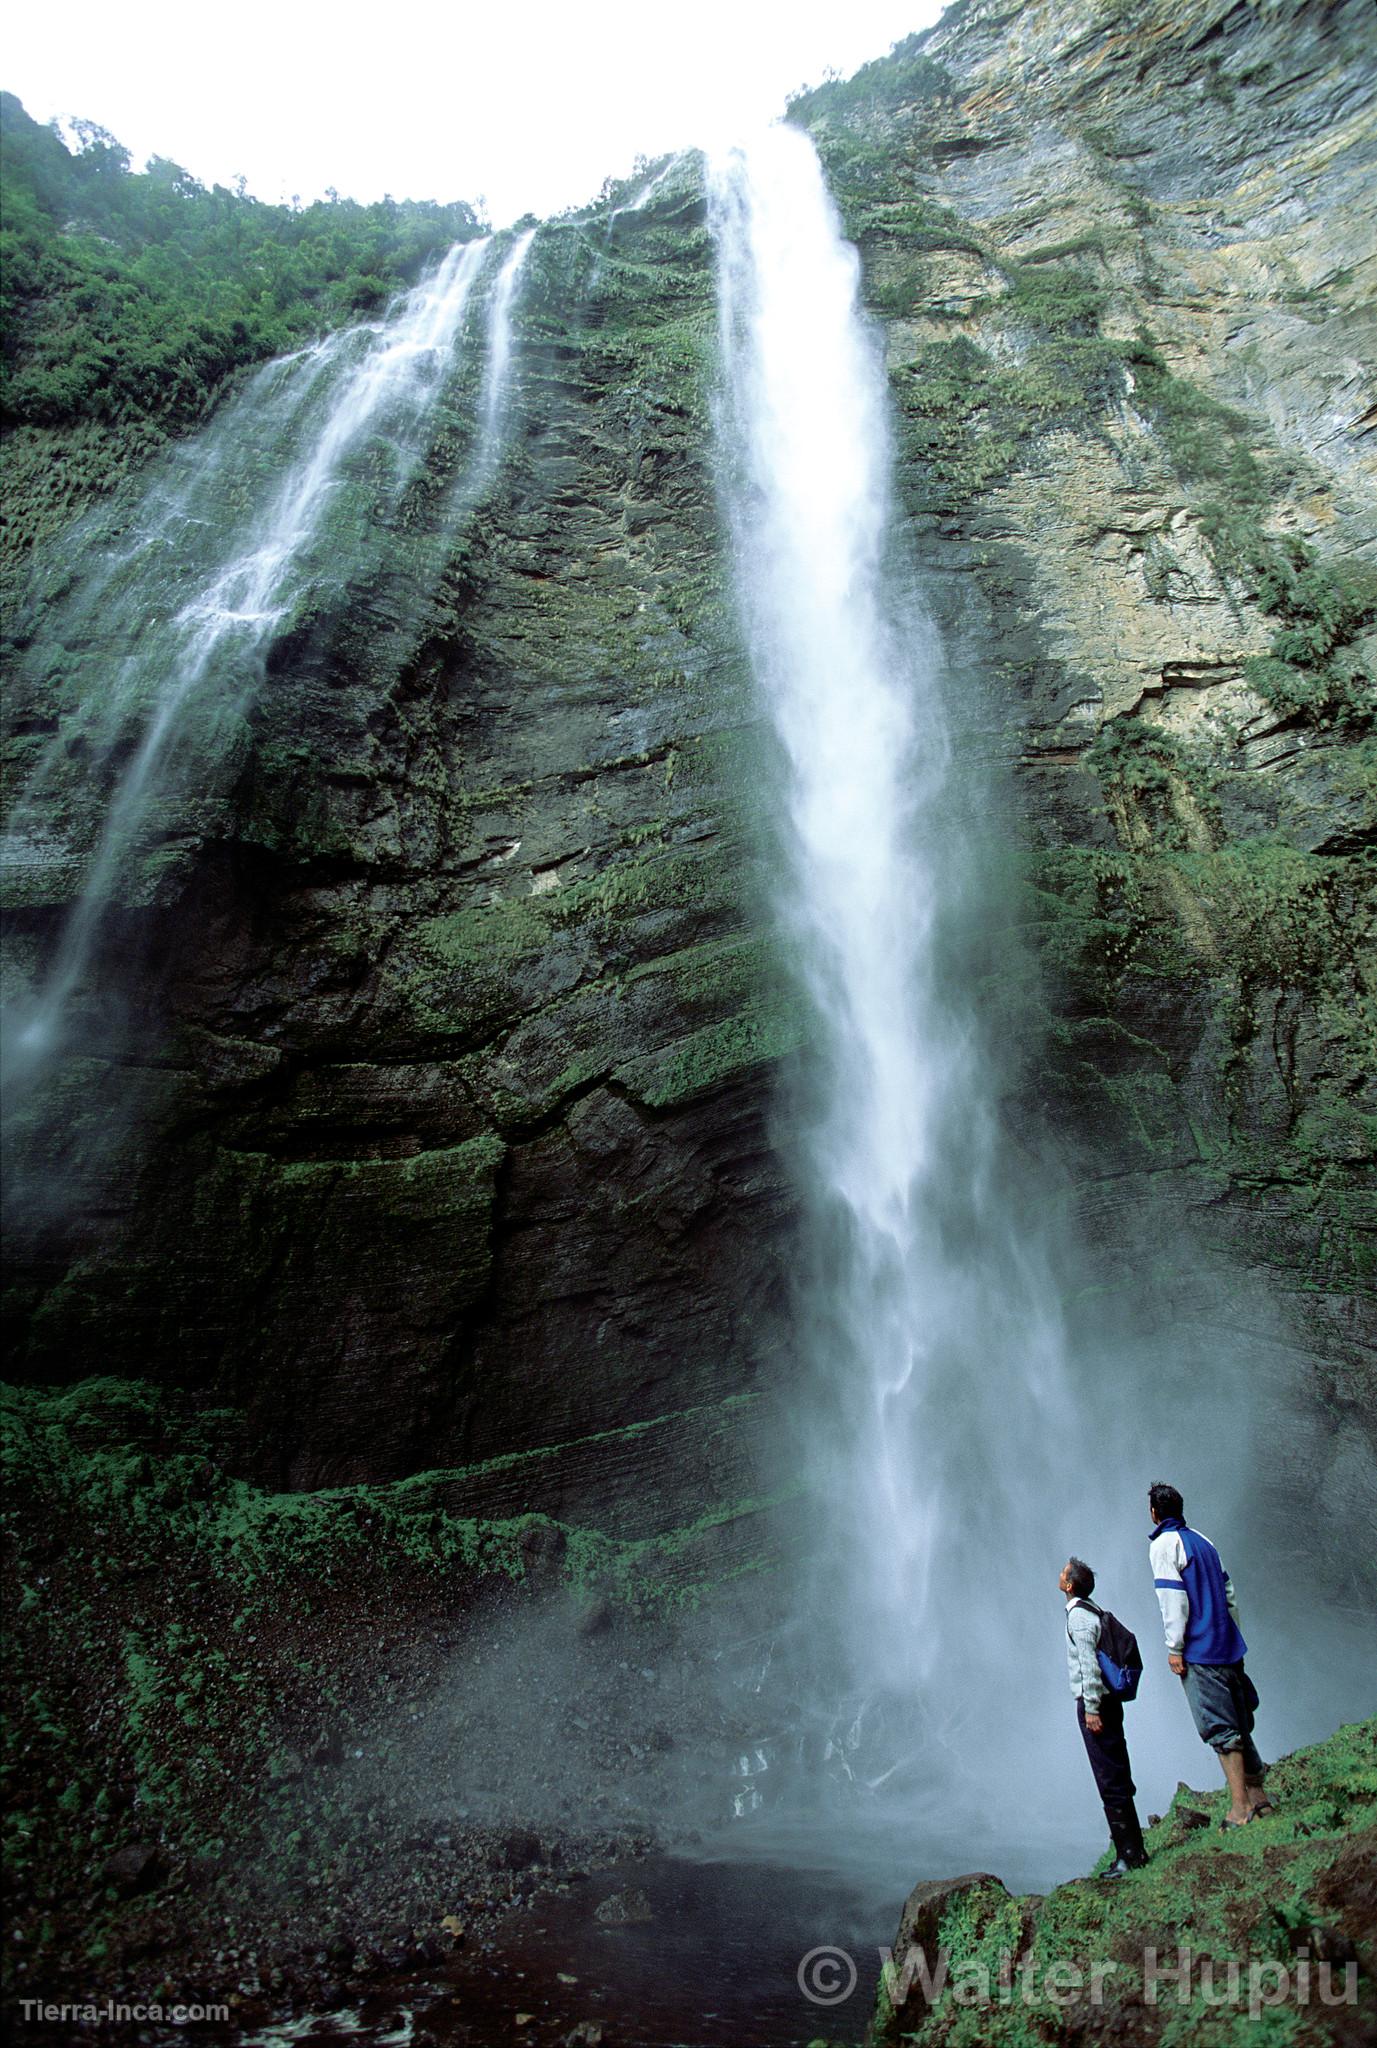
[
  {"x": 1081, "y": 1577},
  {"x": 1165, "y": 1502}
]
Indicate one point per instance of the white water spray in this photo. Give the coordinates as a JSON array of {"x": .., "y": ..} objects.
[
  {"x": 497, "y": 369},
  {"x": 958, "y": 1441},
  {"x": 380, "y": 380},
  {"x": 934, "y": 1340}
]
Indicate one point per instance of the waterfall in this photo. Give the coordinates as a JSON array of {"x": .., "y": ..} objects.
[
  {"x": 221, "y": 558},
  {"x": 929, "y": 1399},
  {"x": 499, "y": 355},
  {"x": 959, "y": 1434}
]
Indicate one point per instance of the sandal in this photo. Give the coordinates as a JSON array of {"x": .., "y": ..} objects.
[
  {"x": 1265, "y": 1806},
  {"x": 1227, "y": 1823}
]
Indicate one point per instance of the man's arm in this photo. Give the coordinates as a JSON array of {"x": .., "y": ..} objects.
[
  {"x": 1232, "y": 1598},
  {"x": 1168, "y": 1555},
  {"x": 1084, "y": 1630}
]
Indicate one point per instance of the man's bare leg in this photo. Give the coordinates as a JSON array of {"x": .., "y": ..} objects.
[
  {"x": 1240, "y": 1806},
  {"x": 1257, "y": 1793}
]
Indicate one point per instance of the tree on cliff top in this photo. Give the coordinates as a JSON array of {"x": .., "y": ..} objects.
[{"x": 129, "y": 295}]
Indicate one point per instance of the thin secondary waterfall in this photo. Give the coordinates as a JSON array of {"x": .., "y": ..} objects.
[
  {"x": 929, "y": 1338},
  {"x": 185, "y": 614},
  {"x": 498, "y": 366}
]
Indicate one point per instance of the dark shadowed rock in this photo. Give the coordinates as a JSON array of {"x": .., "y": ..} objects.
[
  {"x": 518, "y": 1850},
  {"x": 137, "y": 1867},
  {"x": 471, "y": 1012},
  {"x": 629, "y": 1907}
]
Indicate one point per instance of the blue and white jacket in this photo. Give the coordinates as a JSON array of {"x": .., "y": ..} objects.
[{"x": 1199, "y": 1611}]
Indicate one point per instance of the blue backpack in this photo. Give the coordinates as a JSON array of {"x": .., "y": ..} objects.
[{"x": 1121, "y": 1660}]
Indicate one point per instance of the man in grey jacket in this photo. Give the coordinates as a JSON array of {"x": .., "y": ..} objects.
[{"x": 1100, "y": 1713}]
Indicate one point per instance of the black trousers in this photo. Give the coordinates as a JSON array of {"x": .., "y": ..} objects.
[{"x": 1108, "y": 1753}]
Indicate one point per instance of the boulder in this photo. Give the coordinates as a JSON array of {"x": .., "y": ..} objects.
[
  {"x": 899, "y": 2011},
  {"x": 137, "y": 1867}
]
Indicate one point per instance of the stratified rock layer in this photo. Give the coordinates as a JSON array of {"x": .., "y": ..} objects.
[{"x": 457, "y": 1143}]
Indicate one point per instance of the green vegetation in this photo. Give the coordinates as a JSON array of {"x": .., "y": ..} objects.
[
  {"x": 1053, "y": 298},
  {"x": 131, "y": 1466},
  {"x": 194, "y": 1618},
  {"x": 1244, "y": 937},
  {"x": 966, "y": 419},
  {"x": 1315, "y": 666},
  {"x": 129, "y": 296},
  {"x": 1265, "y": 907},
  {"x": 1266, "y": 1895},
  {"x": 759, "y": 1033},
  {"x": 905, "y": 77},
  {"x": 491, "y": 957},
  {"x": 1209, "y": 445},
  {"x": 118, "y": 1461}
]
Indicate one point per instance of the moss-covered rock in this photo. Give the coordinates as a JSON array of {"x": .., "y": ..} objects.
[{"x": 1262, "y": 1935}]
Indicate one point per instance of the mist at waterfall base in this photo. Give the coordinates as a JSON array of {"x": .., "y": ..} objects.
[
  {"x": 958, "y": 1431},
  {"x": 158, "y": 637}
]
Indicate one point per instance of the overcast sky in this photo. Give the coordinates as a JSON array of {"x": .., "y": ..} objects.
[{"x": 527, "y": 103}]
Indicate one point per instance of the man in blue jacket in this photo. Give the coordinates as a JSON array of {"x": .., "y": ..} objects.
[{"x": 1205, "y": 1648}]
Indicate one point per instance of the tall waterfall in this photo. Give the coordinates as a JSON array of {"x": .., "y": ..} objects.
[
  {"x": 171, "y": 631},
  {"x": 961, "y": 1420},
  {"x": 929, "y": 1395}
]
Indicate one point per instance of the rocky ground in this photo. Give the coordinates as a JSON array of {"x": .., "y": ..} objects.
[{"x": 257, "y": 1755}]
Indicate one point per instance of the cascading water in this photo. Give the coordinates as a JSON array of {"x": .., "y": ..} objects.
[
  {"x": 932, "y": 1334},
  {"x": 960, "y": 1432},
  {"x": 221, "y": 559},
  {"x": 497, "y": 369}
]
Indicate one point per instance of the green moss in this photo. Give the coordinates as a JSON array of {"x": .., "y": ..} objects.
[
  {"x": 181, "y": 1609},
  {"x": 966, "y": 420},
  {"x": 1313, "y": 668},
  {"x": 1267, "y": 910},
  {"x": 118, "y": 1455},
  {"x": 763, "y": 1031},
  {"x": 1243, "y": 1898},
  {"x": 475, "y": 973},
  {"x": 915, "y": 223},
  {"x": 1053, "y": 298}
]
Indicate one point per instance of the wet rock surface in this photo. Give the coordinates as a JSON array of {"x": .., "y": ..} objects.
[
  {"x": 462, "y": 968},
  {"x": 443, "y": 1155},
  {"x": 1132, "y": 376}
]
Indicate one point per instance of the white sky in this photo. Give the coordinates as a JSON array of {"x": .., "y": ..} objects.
[{"x": 529, "y": 104}]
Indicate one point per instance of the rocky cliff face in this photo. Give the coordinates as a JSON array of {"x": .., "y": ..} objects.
[
  {"x": 450, "y": 1138},
  {"x": 457, "y": 1146},
  {"x": 1125, "y": 267}
]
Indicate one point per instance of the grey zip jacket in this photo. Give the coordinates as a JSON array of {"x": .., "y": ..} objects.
[{"x": 1083, "y": 1666}]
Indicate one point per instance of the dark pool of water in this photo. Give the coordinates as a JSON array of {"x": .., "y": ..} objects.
[
  {"x": 773, "y": 1947},
  {"x": 716, "y": 1965}
]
